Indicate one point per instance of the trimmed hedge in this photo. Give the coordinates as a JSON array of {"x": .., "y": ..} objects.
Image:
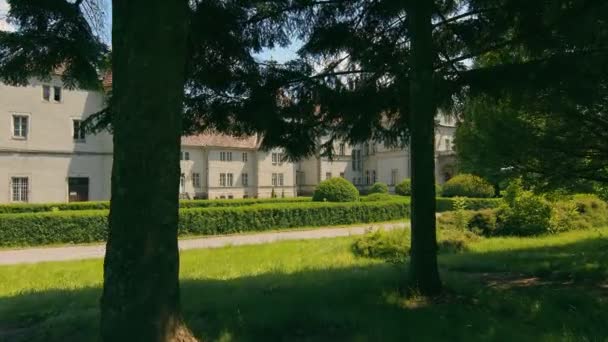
[
  {"x": 336, "y": 190},
  {"x": 73, "y": 206},
  {"x": 447, "y": 204},
  {"x": 467, "y": 185},
  {"x": 378, "y": 188},
  {"x": 83, "y": 226}
]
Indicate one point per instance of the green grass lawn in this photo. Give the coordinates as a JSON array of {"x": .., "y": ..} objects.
[{"x": 508, "y": 289}]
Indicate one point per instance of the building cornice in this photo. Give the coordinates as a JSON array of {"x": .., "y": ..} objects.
[{"x": 52, "y": 152}]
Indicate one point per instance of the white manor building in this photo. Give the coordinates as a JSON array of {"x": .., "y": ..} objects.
[{"x": 46, "y": 157}]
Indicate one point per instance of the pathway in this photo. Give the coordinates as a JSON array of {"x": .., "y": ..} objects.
[{"x": 34, "y": 255}]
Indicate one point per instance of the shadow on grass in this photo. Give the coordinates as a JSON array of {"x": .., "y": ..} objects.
[
  {"x": 347, "y": 304},
  {"x": 583, "y": 262}
]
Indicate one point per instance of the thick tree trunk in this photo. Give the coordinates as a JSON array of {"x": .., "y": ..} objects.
[
  {"x": 423, "y": 265},
  {"x": 141, "y": 298}
]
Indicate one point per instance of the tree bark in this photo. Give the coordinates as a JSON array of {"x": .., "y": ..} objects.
[
  {"x": 424, "y": 274},
  {"x": 141, "y": 297}
]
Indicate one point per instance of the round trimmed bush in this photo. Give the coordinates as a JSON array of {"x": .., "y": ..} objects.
[
  {"x": 379, "y": 188},
  {"x": 467, "y": 185},
  {"x": 336, "y": 190},
  {"x": 404, "y": 188}
]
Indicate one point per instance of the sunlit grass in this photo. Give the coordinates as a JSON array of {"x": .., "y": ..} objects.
[{"x": 317, "y": 290}]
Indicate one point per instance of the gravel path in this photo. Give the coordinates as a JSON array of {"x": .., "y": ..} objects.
[{"x": 34, "y": 255}]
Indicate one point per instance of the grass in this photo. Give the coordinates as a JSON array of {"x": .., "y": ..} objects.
[{"x": 534, "y": 289}]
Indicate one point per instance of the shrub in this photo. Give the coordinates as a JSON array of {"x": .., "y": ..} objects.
[
  {"x": 467, "y": 185},
  {"x": 404, "y": 188},
  {"x": 91, "y": 226},
  {"x": 447, "y": 204},
  {"x": 336, "y": 190},
  {"x": 394, "y": 245},
  {"x": 528, "y": 214},
  {"x": 483, "y": 222},
  {"x": 379, "y": 188}
]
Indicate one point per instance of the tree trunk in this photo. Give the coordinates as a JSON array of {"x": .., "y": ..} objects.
[
  {"x": 424, "y": 274},
  {"x": 141, "y": 297}
]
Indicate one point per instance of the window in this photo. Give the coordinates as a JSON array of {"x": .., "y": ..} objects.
[
  {"x": 226, "y": 179},
  {"x": 46, "y": 93},
  {"x": 280, "y": 179},
  {"x": 374, "y": 176},
  {"x": 342, "y": 150},
  {"x": 196, "y": 180},
  {"x": 20, "y": 126},
  {"x": 245, "y": 179},
  {"x": 367, "y": 177},
  {"x": 78, "y": 131},
  {"x": 184, "y": 156},
  {"x": 20, "y": 189},
  {"x": 275, "y": 179},
  {"x": 57, "y": 94},
  {"x": 342, "y": 174},
  {"x": 245, "y": 157},
  {"x": 182, "y": 183},
  {"x": 448, "y": 145},
  {"x": 277, "y": 158},
  {"x": 394, "y": 176},
  {"x": 226, "y": 156},
  {"x": 357, "y": 163},
  {"x": 327, "y": 175}
]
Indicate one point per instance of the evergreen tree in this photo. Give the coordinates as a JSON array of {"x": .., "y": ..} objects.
[{"x": 387, "y": 65}]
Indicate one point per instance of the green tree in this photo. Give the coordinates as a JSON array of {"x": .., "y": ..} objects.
[
  {"x": 171, "y": 60},
  {"x": 388, "y": 65}
]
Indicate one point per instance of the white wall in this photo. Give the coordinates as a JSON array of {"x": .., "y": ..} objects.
[
  {"x": 50, "y": 123},
  {"x": 48, "y": 175}
]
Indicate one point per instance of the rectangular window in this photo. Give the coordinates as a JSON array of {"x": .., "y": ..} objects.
[
  {"x": 20, "y": 189},
  {"x": 342, "y": 174},
  {"x": 57, "y": 94},
  {"x": 274, "y": 179},
  {"x": 448, "y": 145},
  {"x": 182, "y": 183},
  {"x": 46, "y": 93},
  {"x": 196, "y": 180},
  {"x": 280, "y": 179},
  {"x": 186, "y": 155},
  {"x": 222, "y": 179},
  {"x": 342, "y": 149},
  {"x": 367, "y": 179},
  {"x": 245, "y": 179},
  {"x": 327, "y": 175},
  {"x": 374, "y": 179},
  {"x": 226, "y": 156},
  {"x": 78, "y": 131},
  {"x": 245, "y": 157},
  {"x": 229, "y": 179},
  {"x": 20, "y": 126},
  {"x": 394, "y": 176},
  {"x": 354, "y": 160}
]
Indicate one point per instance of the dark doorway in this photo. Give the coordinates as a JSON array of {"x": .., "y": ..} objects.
[{"x": 78, "y": 189}]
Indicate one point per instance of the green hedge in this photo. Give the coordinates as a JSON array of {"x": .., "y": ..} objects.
[
  {"x": 43, "y": 207},
  {"x": 447, "y": 204},
  {"x": 85, "y": 226}
]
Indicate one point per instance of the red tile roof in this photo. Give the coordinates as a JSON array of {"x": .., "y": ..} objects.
[{"x": 221, "y": 140}]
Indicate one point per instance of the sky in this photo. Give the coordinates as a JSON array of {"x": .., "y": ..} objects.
[{"x": 3, "y": 12}]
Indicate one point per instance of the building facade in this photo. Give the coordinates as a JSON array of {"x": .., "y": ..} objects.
[
  {"x": 45, "y": 156},
  {"x": 368, "y": 163}
]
